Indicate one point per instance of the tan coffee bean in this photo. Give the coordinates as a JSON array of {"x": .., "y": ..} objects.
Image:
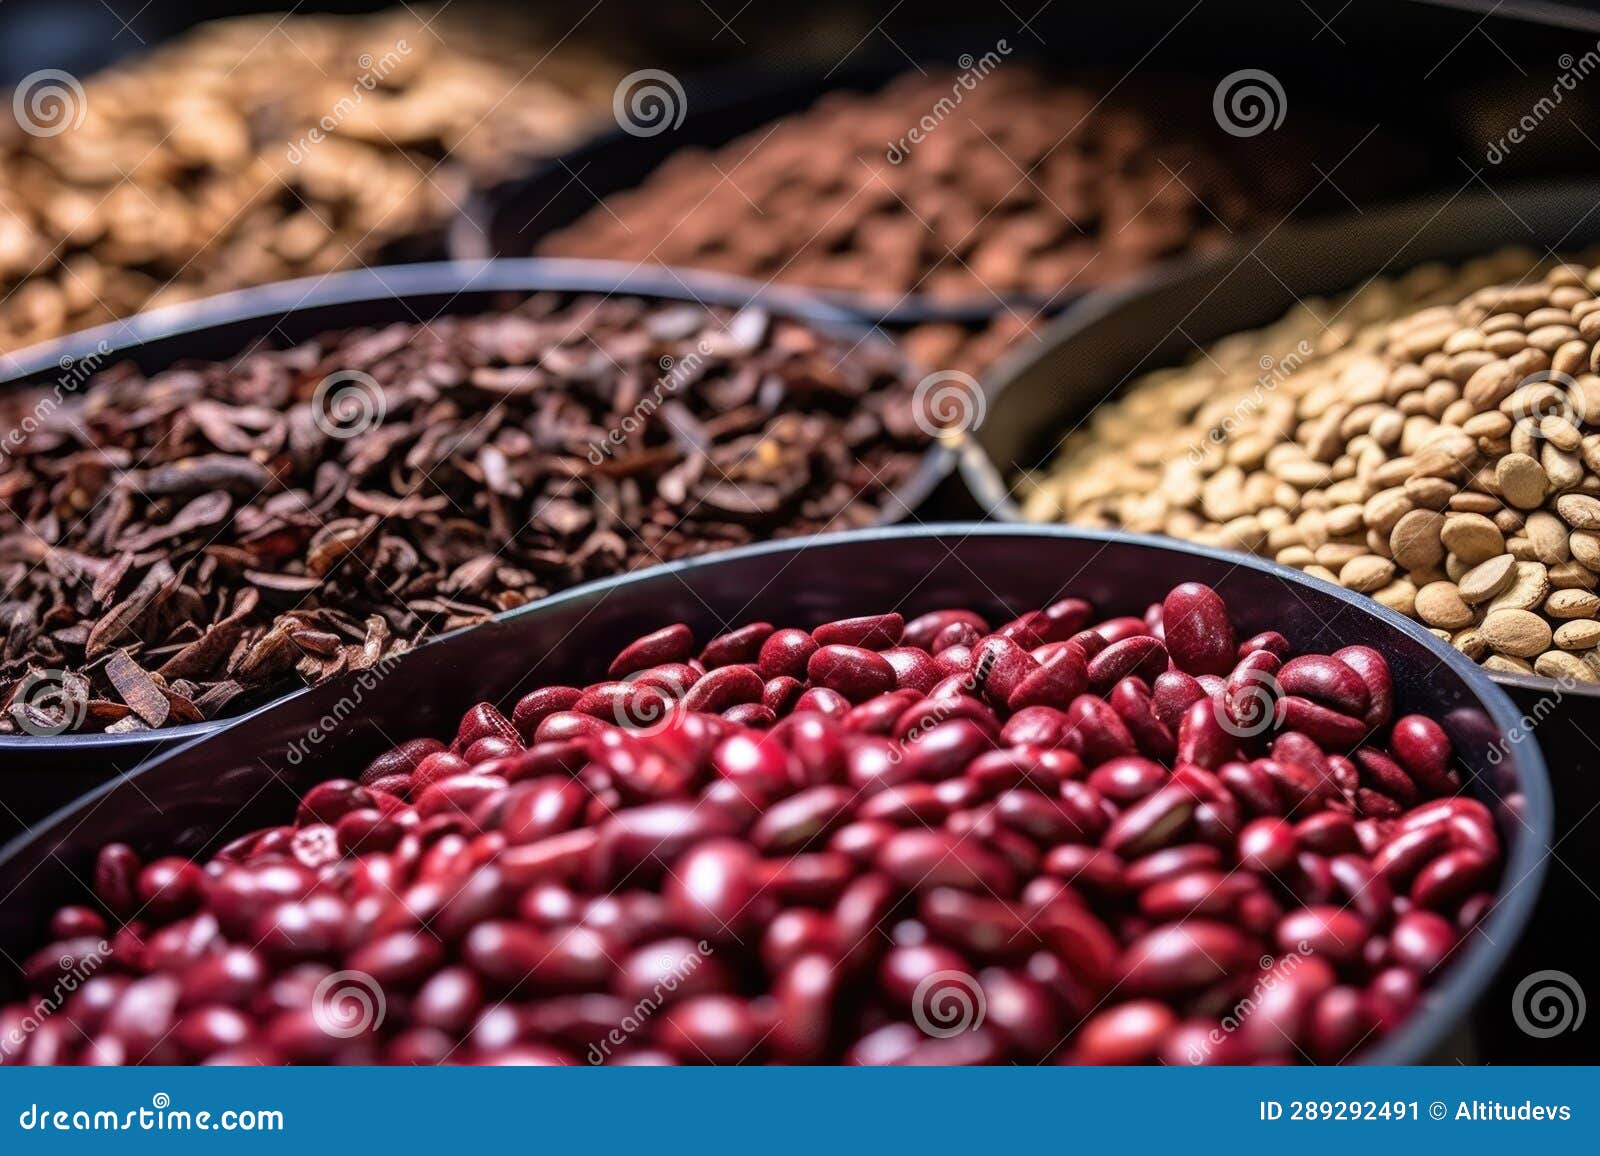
[
  {"x": 1487, "y": 579},
  {"x": 1559, "y": 664},
  {"x": 1399, "y": 596},
  {"x": 1366, "y": 573},
  {"x": 1585, "y": 547},
  {"x": 1417, "y": 539},
  {"x": 1518, "y": 633},
  {"x": 1579, "y": 634},
  {"x": 1573, "y": 576},
  {"x": 1521, "y": 480},
  {"x": 1548, "y": 536},
  {"x": 1440, "y": 604},
  {"x": 1472, "y": 538},
  {"x": 1529, "y": 587},
  {"x": 1579, "y": 511},
  {"x": 1572, "y": 604},
  {"x": 1505, "y": 664}
]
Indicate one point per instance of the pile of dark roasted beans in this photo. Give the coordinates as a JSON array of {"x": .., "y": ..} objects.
[{"x": 874, "y": 842}]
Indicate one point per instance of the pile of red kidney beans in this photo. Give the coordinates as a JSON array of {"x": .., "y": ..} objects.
[{"x": 874, "y": 842}]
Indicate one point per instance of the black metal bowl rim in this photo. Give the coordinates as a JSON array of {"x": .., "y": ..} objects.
[
  {"x": 1446, "y": 1006},
  {"x": 986, "y": 481},
  {"x": 724, "y": 90},
  {"x": 105, "y": 343}
]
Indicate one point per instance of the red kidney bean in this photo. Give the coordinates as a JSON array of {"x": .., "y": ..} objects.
[
  {"x": 673, "y": 643},
  {"x": 1057, "y": 680},
  {"x": 851, "y": 671},
  {"x": 1128, "y": 1033},
  {"x": 1199, "y": 635},
  {"x": 740, "y": 645},
  {"x": 1206, "y": 893},
  {"x": 1100, "y": 730},
  {"x": 1172, "y": 694},
  {"x": 999, "y": 667},
  {"x": 1449, "y": 879},
  {"x": 1334, "y": 932},
  {"x": 786, "y": 652},
  {"x": 711, "y": 1029},
  {"x": 1373, "y": 670},
  {"x": 1203, "y": 740},
  {"x": 873, "y": 631},
  {"x": 1327, "y": 681},
  {"x": 1153, "y": 822},
  {"x": 1184, "y": 956},
  {"x": 1422, "y": 940},
  {"x": 1423, "y": 748},
  {"x": 1140, "y": 656},
  {"x": 921, "y": 631},
  {"x": 1132, "y": 701},
  {"x": 1322, "y": 724},
  {"x": 1276, "y": 1029}
]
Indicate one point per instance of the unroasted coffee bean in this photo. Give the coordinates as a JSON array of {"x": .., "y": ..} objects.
[
  {"x": 1429, "y": 451},
  {"x": 862, "y": 873},
  {"x": 236, "y": 540}
]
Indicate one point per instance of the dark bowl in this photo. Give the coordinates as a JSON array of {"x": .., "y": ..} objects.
[
  {"x": 1101, "y": 344},
  {"x": 37, "y": 775},
  {"x": 195, "y": 799}
]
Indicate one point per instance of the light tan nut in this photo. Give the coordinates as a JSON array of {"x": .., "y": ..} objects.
[
  {"x": 1580, "y": 634},
  {"x": 1416, "y": 539},
  {"x": 1440, "y": 604},
  {"x": 1487, "y": 579},
  {"x": 1472, "y": 538},
  {"x": 1518, "y": 633},
  {"x": 1521, "y": 481},
  {"x": 1530, "y": 585}
]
